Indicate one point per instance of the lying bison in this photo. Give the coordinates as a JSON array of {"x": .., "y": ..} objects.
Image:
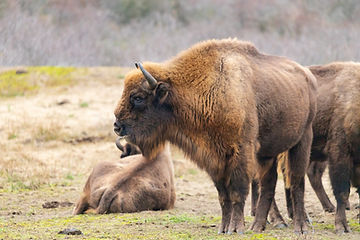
[
  {"x": 337, "y": 130},
  {"x": 231, "y": 109},
  {"x": 142, "y": 184}
]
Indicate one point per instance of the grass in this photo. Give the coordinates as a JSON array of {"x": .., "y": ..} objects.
[
  {"x": 84, "y": 104},
  {"x": 148, "y": 225},
  {"x": 31, "y": 79},
  {"x": 354, "y": 225},
  {"x": 11, "y": 136},
  {"x": 144, "y": 225},
  {"x": 48, "y": 132},
  {"x": 14, "y": 183}
]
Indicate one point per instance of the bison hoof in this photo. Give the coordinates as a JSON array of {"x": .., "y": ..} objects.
[
  {"x": 300, "y": 232},
  {"x": 342, "y": 227},
  {"x": 258, "y": 227},
  {"x": 281, "y": 225},
  {"x": 237, "y": 231},
  {"x": 329, "y": 209},
  {"x": 300, "y": 227},
  {"x": 342, "y": 231}
]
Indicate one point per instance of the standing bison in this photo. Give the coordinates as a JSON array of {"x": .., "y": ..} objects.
[
  {"x": 336, "y": 140},
  {"x": 232, "y": 110},
  {"x": 337, "y": 131},
  {"x": 141, "y": 184}
]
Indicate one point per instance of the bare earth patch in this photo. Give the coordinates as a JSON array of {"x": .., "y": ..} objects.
[{"x": 51, "y": 139}]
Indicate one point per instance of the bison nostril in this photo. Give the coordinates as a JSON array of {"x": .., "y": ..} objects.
[
  {"x": 119, "y": 128},
  {"x": 116, "y": 123},
  {"x": 116, "y": 127}
]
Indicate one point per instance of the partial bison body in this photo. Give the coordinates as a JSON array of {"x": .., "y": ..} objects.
[
  {"x": 231, "y": 109},
  {"x": 141, "y": 184},
  {"x": 337, "y": 132}
]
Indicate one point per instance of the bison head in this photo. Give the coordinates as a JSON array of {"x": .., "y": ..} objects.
[{"x": 144, "y": 110}]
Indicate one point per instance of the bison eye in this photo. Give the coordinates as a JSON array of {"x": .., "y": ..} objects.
[{"x": 138, "y": 102}]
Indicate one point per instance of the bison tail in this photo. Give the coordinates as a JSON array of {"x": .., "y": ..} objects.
[{"x": 283, "y": 166}]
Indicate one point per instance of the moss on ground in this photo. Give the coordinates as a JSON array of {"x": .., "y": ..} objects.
[
  {"x": 146, "y": 225},
  {"x": 30, "y": 79}
]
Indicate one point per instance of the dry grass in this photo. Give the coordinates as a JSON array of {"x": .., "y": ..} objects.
[{"x": 43, "y": 137}]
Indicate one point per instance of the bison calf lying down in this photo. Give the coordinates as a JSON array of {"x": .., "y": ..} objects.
[
  {"x": 231, "y": 109},
  {"x": 141, "y": 184}
]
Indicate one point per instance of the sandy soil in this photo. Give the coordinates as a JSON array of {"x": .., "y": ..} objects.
[{"x": 49, "y": 143}]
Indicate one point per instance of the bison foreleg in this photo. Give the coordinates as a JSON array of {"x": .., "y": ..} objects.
[
  {"x": 82, "y": 205},
  {"x": 267, "y": 191},
  {"x": 225, "y": 204},
  {"x": 105, "y": 201},
  {"x": 238, "y": 190},
  {"x": 254, "y": 195}
]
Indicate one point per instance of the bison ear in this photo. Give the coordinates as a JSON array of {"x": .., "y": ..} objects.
[{"x": 161, "y": 92}]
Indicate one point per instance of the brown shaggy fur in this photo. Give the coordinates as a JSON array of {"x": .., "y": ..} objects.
[
  {"x": 336, "y": 137},
  {"x": 141, "y": 184},
  {"x": 337, "y": 130},
  {"x": 231, "y": 109}
]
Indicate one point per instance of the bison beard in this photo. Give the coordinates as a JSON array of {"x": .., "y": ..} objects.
[{"x": 232, "y": 110}]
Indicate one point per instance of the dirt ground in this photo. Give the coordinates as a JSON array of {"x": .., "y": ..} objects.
[{"x": 51, "y": 139}]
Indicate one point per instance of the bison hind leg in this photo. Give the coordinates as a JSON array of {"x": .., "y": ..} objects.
[
  {"x": 315, "y": 172},
  {"x": 299, "y": 156},
  {"x": 267, "y": 191}
]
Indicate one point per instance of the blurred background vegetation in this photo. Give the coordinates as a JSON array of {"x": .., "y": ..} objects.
[{"x": 119, "y": 32}]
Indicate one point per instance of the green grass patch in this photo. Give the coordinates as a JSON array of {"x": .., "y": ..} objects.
[
  {"x": 69, "y": 176},
  {"x": 84, "y": 104},
  {"x": 110, "y": 226},
  {"x": 192, "y": 171},
  {"x": 354, "y": 225},
  {"x": 31, "y": 79},
  {"x": 11, "y": 136},
  {"x": 323, "y": 226}
]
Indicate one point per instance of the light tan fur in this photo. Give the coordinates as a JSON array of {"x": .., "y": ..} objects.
[{"x": 137, "y": 184}]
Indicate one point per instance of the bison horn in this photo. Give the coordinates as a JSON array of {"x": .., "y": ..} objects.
[{"x": 151, "y": 80}]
